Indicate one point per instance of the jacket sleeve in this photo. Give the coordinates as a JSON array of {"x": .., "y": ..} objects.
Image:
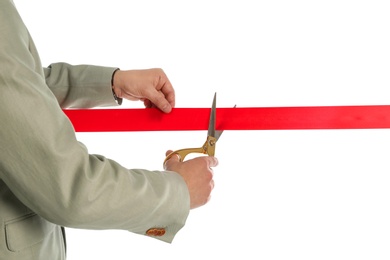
[
  {"x": 50, "y": 171},
  {"x": 80, "y": 86}
]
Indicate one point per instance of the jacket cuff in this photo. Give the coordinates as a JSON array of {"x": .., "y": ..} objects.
[{"x": 117, "y": 99}]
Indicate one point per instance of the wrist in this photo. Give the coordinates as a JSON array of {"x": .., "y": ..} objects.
[{"x": 117, "y": 99}]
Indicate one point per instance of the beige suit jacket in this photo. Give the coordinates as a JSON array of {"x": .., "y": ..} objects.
[{"x": 47, "y": 178}]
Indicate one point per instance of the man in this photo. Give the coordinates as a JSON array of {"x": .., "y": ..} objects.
[{"x": 49, "y": 180}]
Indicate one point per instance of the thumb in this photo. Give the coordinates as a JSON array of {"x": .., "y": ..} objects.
[
  {"x": 174, "y": 158},
  {"x": 168, "y": 152}
]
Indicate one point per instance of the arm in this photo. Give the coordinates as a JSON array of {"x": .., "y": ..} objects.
[
  {"x": 85, "y": 86},
  {"x": 81, "y": 86},
  {"x": 53, "y": 174}
]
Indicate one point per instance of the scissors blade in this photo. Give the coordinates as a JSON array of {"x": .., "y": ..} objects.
[
  {"x": 211, "y": 130},
  {"x": 218, "y": 133}
]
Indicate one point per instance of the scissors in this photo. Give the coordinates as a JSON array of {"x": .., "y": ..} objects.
[{"x": 212, "y": 138}]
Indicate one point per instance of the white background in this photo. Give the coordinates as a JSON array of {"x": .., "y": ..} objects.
[{"x": 321, "y": 194}]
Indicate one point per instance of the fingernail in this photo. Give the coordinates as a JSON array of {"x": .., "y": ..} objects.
[
  {"x": 167, "y": 108},
  {"x": 214, "y": 162}
]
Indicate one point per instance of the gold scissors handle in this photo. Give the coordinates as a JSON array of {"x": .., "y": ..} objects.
[{"x": 207, "y": 148}]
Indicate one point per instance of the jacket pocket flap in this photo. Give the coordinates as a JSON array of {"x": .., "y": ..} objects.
[{"x": 26, "y": 231}]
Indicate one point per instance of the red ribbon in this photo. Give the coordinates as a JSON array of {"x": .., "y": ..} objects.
[{"x": 258, "y": 118}]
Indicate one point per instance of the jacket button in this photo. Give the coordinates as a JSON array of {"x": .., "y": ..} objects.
[{"x": 155, "y": 232}]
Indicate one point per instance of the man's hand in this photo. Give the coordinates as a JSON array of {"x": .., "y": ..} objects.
[
  {"x": 197, "y": 174},
  {"x": 151, "y": 86}
]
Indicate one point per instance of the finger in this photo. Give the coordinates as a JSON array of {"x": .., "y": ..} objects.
[
  {"x": 159, "y": 100},
  {"x": 147, "y": 103},
  {"x": 169, "y": 93},
  {"x": 174, "y": 158},
  {"x": 213, "y": 161},
  {"x": 166, "y": 88}
]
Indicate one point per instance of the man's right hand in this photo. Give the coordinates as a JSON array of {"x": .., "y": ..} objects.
[{"x": 197, "y": 174}]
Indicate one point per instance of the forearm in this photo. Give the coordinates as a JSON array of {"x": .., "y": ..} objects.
[{"x": 80, "y": 86}]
